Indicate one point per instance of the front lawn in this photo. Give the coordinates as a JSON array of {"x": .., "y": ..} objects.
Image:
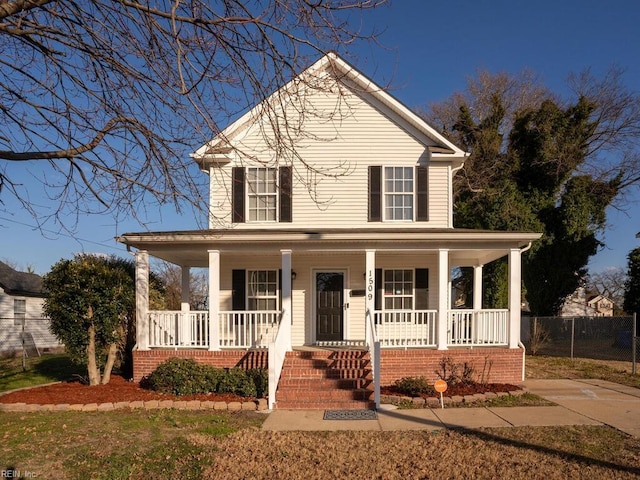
[{"x": 40, "y": 370}]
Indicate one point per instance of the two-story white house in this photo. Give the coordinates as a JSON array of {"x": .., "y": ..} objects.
[{"x": 331, "y": 229}]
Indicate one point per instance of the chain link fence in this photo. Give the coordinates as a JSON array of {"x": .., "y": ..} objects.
[
  {"x": 26, "y": 337},
  {"x": 599, "y": 338}
]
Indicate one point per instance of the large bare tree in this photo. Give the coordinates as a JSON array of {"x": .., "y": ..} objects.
[{"x": 102, "y": 100}]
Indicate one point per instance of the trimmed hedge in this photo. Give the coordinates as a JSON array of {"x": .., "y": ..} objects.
[{"x": 183, "y": 376}]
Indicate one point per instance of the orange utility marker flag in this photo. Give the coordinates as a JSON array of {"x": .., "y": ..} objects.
[{"x": 440, "y": 386}]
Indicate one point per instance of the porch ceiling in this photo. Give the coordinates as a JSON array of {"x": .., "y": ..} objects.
[{"x": 189, "y": 248}]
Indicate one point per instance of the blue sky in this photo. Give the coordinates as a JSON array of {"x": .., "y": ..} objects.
[{"x": 429, "y": 50}]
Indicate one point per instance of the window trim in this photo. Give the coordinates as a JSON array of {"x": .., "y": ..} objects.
[
  {"x": 384, "y": 193},
  {"x": 248, "y": 290},
  {"x": 22, "y": 316},
  {"x": 251, "y": 192}
]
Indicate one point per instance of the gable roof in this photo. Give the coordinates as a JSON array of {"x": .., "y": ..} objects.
[
  {"x": 20, "y": 283},
  {"x": 219, "y": 148}
]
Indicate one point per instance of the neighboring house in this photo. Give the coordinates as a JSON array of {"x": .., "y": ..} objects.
[
  {"x": 21, "y": 300},
  {"x": 343, "y": 243},
  {"x": 582, "y": 304}
]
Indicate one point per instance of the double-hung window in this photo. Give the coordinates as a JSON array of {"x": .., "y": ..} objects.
[
  {"x": 398, "y": 193},
  {"x": 19, "y": 311},
  {"x": 262, "y": 291},
  {"x": 398, "y": 289},
  {"x": 262, "y": 194}
]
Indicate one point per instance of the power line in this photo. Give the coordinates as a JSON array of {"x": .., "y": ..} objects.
[{"x": 78, "y": 239}]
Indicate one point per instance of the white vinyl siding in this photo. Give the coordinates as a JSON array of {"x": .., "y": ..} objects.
[{"x": 331, "y": 189}]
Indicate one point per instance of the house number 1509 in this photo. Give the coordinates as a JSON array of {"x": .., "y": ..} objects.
[{"x": 370, "y": 285}]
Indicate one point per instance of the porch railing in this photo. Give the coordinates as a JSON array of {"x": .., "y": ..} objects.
[
  {"x": 277, "y": 352},
  {"x": 238, "y": 329},
  {"x": 173, "y": 328},
  {"x": 478, "y": 327},
  {"x": 372, "y": 341},
  {"x": 248, "y": 329},
  {"x": 406, "y": 328}
]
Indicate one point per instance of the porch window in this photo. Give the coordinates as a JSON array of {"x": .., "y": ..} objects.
[
  {"x": 19, "y": 311},
  {"x": 398, "y": 193},
  {"x": 398, "y": 289},
  {"x": 262, "y": 194},
  {"x": 262, "y": 291}
]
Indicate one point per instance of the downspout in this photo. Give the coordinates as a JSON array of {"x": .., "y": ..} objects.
[{"x": 520, "y": 344}]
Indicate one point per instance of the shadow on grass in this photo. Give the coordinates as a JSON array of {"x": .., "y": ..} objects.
[{"x": 58, "y": 368}]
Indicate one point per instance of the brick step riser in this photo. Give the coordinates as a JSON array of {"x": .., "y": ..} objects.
[
  {"x": 325, "y": 405},
  {"x": 322, "y": 384},
  {"x": 328, "y": 355},
  {"x": 326, "y": 395},
  {"x": 330, "y": 374},
  {"x": 332, "y": 365}
]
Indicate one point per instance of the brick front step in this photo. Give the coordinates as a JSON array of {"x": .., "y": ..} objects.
[
  {"x": 324, "y": 405},
  {"x": 325, "y": 380}
]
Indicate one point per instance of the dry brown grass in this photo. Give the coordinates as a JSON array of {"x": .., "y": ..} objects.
[{"x": 570, "y": 452}]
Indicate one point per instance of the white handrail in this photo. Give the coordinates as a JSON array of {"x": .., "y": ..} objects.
[
  {"x": 373, "y": 343},
  {"x": 277, "y": 352}
]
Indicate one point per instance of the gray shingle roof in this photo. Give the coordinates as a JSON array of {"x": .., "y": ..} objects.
[{"x": 20, "y": 283}]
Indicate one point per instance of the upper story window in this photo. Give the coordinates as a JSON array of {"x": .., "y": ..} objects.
[
  {"x": 262, "y": 194},
  {"x": 19, "y": 311},
  {"x": 398, "y": 193}
]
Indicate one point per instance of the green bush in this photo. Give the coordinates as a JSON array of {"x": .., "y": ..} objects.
[
  {"x": 414, "y": 386},
  {"x": 237, "y": 381},
  {"x": 183, "y": 376},
  {"x": 177, "y": 376},
  {"x": 260, "y": 377}
]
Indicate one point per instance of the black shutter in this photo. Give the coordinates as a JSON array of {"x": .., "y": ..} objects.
[
  {"x": 238, "y": 293},
  {"x": 422, "y": 289},
  {"x": 375, "y": 193},
  {"x": 285, "y": 180},
  {"x": 237, "y": 195},
  {"x": 422, "y": 278},
  {"x": 280, "y": 289},
  {"x": 379, "y": 289},
  {"x": 422, "y": 200}
]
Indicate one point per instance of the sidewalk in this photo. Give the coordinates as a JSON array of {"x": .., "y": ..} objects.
[{"x": 579, "y": 402}]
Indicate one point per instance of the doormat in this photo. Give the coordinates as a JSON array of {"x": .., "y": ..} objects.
[{"x": 350, "y": 415}]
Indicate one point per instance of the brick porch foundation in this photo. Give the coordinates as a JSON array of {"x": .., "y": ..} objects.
[
  {"x": 500, "y": 365},
  {"x": 146, "y": 361}
]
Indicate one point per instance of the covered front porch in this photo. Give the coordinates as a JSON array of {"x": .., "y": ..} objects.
[{"x": 373, "y": 290}]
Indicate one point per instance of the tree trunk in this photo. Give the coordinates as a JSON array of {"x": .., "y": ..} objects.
[
  {"x": 92, "y": 367},
  {"x": 111, "y": 359}
]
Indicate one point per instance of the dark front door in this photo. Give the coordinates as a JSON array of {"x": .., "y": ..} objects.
[{"x": 329, "y": 306}]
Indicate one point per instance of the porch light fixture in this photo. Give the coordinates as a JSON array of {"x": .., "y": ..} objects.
[{"x": 293, "y": 275}]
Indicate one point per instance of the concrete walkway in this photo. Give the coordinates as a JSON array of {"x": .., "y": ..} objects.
[{"x": 579, "y": 402}]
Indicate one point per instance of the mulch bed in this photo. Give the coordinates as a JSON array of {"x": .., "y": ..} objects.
[
  {"x": 459, "y": 389},
  {"x": 117, "y": 390}
]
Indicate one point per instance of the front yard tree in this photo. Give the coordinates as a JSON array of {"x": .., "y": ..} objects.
[
  {"x": 109, "y": 97},
  {"x": 90, "y": 300},
  {"x": 540, "y": 164},
  {"x": 632, "y": 285}
]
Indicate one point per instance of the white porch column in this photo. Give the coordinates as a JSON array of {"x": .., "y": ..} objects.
[
  {"x": 286, "y": 291},
  {"x": 186, "y": 286},
  {"x": 515, "y": 306},
  {"x": 142, "y": 300},
  {"x": 444, "y": 292},
  {"x": 477, "y": 287},
  {"x": 214, "y": 300},
  {"x": 370, "y": 282},
  {"x": 185, "y": 324}
]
